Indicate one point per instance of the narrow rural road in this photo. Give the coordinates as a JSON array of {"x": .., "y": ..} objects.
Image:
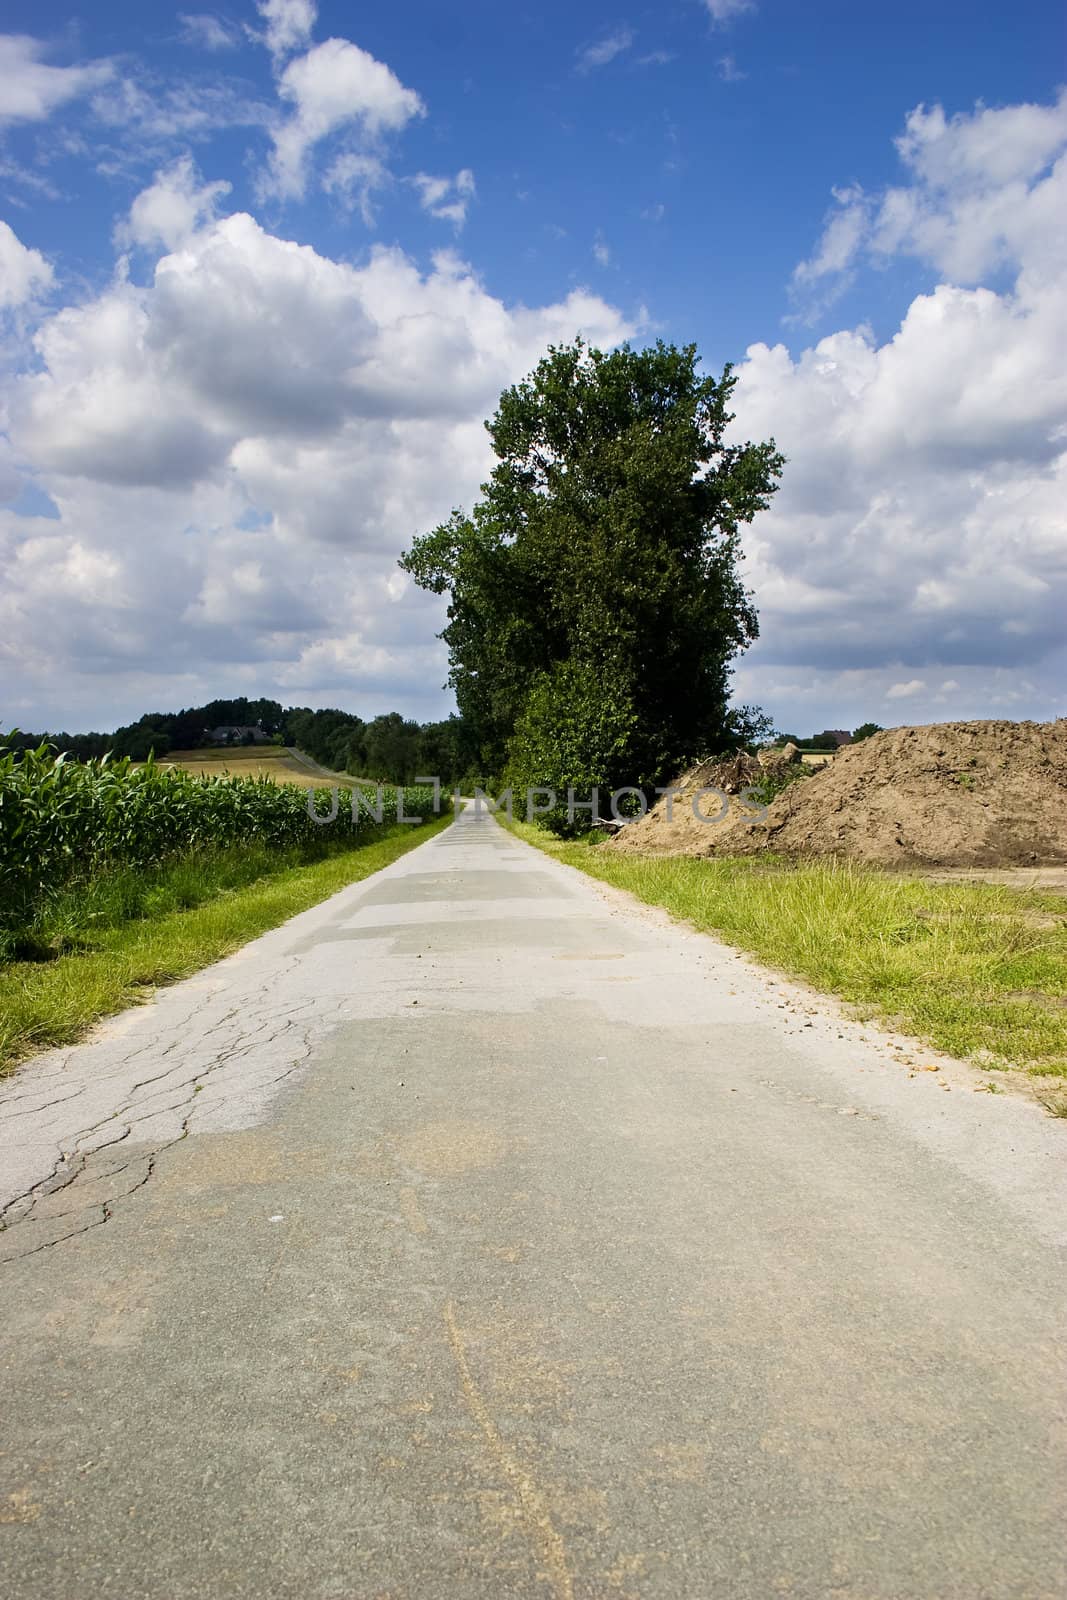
[{"x": 480, "y": 1235}]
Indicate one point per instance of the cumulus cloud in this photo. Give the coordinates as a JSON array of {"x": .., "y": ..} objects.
[
  {"x": 921, "y": 519},
  {"x": 984, "y": 196},
  {"x": 446, "y": 198},
  {"x": 244, "y": 336},
  {"x": 239, "y": 450},
  {"x": 335, "y": 85},
  {"x": 605, "y": 50},
  {"x": 171, "y": 208},
  {"x": 288, "y": 24},
  {"x": 23, "y": 271},
  {"x": 31, "y": 89}
]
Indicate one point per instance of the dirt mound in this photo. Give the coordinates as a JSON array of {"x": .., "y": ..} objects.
[
  {"x": 958, "y": 794},
  {"x": 785, "y": 755},
  {"x": 731, "y": 774}
]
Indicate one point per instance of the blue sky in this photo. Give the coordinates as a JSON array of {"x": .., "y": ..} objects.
[{"x": 268, "y": 267}]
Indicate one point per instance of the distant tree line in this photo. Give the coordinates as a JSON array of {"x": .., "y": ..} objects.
[
  {"x": 830, "y": 738},
  {"x": 389, "y": 747}
]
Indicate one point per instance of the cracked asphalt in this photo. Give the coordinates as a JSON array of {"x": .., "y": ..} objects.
[{"x": 480, "y": 1234}]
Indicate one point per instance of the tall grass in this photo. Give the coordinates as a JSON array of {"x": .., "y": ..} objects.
[{"x": 976, "y": 969}]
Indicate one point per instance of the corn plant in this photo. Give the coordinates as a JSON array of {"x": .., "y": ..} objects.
[{"x": 65, "y": 822}]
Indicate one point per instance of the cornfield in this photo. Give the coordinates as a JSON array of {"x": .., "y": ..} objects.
[{"x": 65, "y": 822}]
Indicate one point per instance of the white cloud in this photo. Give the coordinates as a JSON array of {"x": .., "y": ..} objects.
[
  {"x": 729, "y": 71},
  {"x": 335, "y": 85},
  {"x": 905, "y": 691},
  {"x": 845, "y": 232},
  {"x": 818, "y": 283},
  {"x": 601, "y": 251},
  {"x": 154, "y": 115},
  {"x": 605, "y": 50},
  {"x": 921, "y": 519},
  {"x": 23, "y": 271},
  {"x": 985, "y": 192},
  {"x": 239, "y": 451},
  {"x": 723, "y": 11},
  {"x": 31, "y": 89},
  {"x": 28, "y": 178},
  {"x": 446, "y": 198},
  {"x": 984, "y": 149},
  {"x": 983, "y": 196},
  {"x": 171, "y": 209},
  {"x": 288, "y": 24},
  {"x": 355, "y": 179},
  {"x": 205, "y": 31}
]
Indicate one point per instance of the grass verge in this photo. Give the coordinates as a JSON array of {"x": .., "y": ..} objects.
[
  {"x": 128, "y": 933},
  {"x": 975, "y": 969}
]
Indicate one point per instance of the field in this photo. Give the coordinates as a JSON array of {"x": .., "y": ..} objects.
[{"x": 254, "y": 761}]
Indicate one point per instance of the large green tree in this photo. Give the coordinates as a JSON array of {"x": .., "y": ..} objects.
[{"x": 594, "y": 595}]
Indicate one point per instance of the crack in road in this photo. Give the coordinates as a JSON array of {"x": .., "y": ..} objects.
[{"x": 82, "y": 1163}]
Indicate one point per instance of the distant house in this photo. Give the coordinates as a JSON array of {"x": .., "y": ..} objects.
[{"x": 235, "y": 735}]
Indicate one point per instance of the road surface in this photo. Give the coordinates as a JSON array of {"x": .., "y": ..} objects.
[{"x": 479, "y": 1235}]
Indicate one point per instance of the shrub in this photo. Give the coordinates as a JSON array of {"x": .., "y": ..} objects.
[{"x": 573, "y": 734}]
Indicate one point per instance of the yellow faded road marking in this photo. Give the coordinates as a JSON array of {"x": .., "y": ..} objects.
[
  {"x": 411, "y": 1213},
  {"x": 530, "y": 1496}
]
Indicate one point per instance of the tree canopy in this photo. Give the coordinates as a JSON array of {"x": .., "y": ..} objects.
[{"x": 595, "y": 604}]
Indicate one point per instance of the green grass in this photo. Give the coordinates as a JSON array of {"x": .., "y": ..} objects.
[
  {"x": 974, "y": 969},
  {"x": 123, "y": 935}
]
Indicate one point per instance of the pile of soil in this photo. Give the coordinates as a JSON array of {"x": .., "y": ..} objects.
[
  {"x": 731, "y": 774},
  {"x": 954, "y": 794}
]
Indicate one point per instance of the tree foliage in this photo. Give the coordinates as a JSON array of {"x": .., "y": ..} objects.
[
  {"x": 595, "y": 604},
  {"x": 568, "y": 735}
]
